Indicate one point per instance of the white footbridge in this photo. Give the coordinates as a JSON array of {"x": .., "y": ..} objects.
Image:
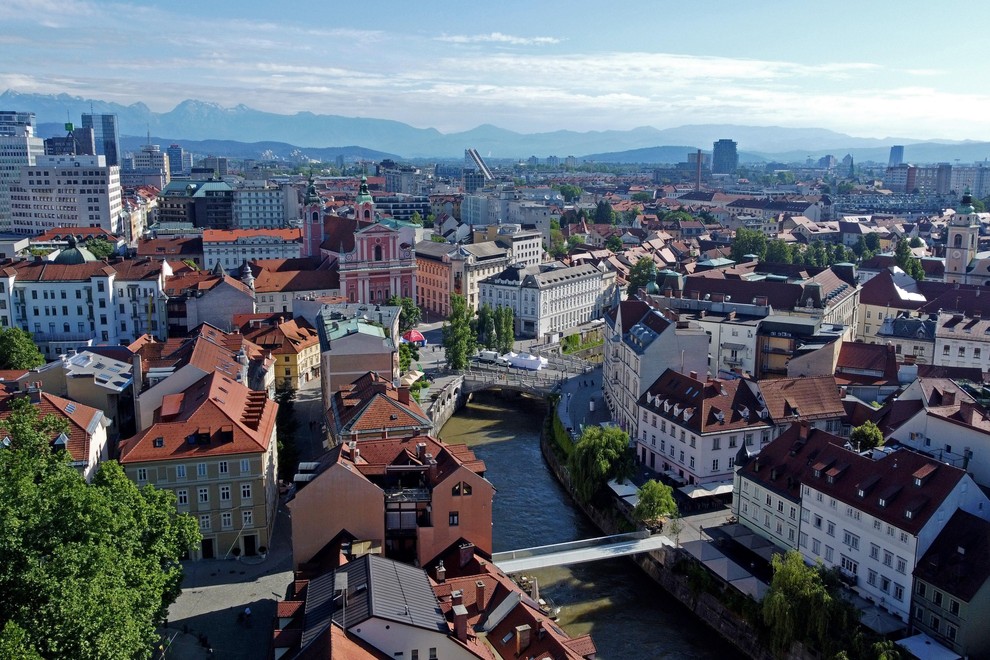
[{"x": 579, "y": 552}]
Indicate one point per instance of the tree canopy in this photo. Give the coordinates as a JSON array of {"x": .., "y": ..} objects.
[
  {"x": 866, "y": 436},
  {"x": 604, "y": 215},
  {"x": 18, "y": 350},
  {"x": 458, "y": 336},
  {"x": 569, "y": 192},
  {"x": 614, "y": 243},
  {"x": 748, "y": 241},
  {"x": 599, "y": 455},
  {"x": 89, "y": 570},
  {"x": 410, "y": 316},
  {"x": 100, "y": 247},
  {"x": 642, "y": 272},
  {"x": 656, "y": 501},
  {"x": 505, "y": 334}
]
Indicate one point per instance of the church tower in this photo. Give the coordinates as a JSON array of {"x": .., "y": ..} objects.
[
  {"x": 963, "y": 240},
  {"x": 364, "y": 204},
  {"x": 312, "y": 222}
]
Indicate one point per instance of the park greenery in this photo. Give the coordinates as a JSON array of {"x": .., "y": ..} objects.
[
  {"x": 656, "y": 502},
  {"x": 18, "y": 350},
  {"x": 819, "y": 254},
  {"x": 600, "y": 454},
  {"x": 89, "y": 569}
]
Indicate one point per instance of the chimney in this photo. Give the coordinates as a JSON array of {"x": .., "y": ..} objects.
[
  {"x": 465, "y": 553},
  {"x": 522, "y": 638},
  {"x": 404, "y": 395},
  {"x": 479, "y": 594},
  {"x": 693, "y": 375},
  {"x": 803, "y": 430},
  {"x": 949, "y": 398},
  {"x": 441, "y": 573},
  {"x": 457, "y": 597},
  {"x": 695, "y": 295},
  {"x": 432, "y": 463},
  {"x": 420, "y": 450},
  {"x": 460, "y": 622}
]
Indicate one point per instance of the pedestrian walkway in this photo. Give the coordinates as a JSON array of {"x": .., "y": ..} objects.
[
  {"x": 578, "y": 552},
  {"x": 582, "y": 403}
]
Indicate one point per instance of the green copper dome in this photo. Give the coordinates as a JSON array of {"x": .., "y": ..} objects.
[
  {"x": 966, "y": 204},
  {"x": 311, "y": 196},
  {"x": 73, "y": 254},
  {"x": 364, "y": 196}
]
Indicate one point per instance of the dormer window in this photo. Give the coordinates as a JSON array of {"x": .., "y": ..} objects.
[
  {"x": 909, "y": 514},
  {"x": 882, "y": 502},
  {"x": 158, "y": 442}
]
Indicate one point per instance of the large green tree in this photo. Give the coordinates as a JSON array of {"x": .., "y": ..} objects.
[
  {"x": 656, "y": 501},
  {"x": 601, "y": 453},
  {"x": 604, "y": 215},
  {"x": 410, "y": 316},
  {"x": 408, "y": 354},
  {"x": 748, "y": 241},
  {"x": 642, "y": 273},
  {"x": 18, "y": 351},
  {"x": 569, "y": 192},
  {"x": 100, "y": 247},
  {"x": 866, "y": 436},
  {"x": 505, "y": 334},
  {"x": 485, "y": 324},
  {"x": 88, "y": 570},
  {"x": 614, "y": 243},
  {"x": 458, "y": 336},
  {"x": 778, "y": 252},
  {"x": 285, "y": 433}
]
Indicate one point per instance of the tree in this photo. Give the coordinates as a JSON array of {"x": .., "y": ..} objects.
[
  {"x": 748, "y": 241},
  {"x": 902, "y": 254},
  {"x": 614, "y": 243},
  {"x": 100, "y": 247},
  {"x": 428, "y": 223},
  {"x": 18, "y": 351},
  {"x": 487, "y": 333},
  {"x": 866, "y": 436},
  {"x": 505, "y": 329},
  {"x": 410, "y": 316},
  {"x": 872, "y": 241},
  {"x": 416, "y": 218},
  {"x": 408, "y": 353},
  {"x": 642, "y": 273},
  {"x": 778, "y": 252},
  {"x": 604, "y": 215},
  {"x": 656, "y": 501},
  {"x": 569, "y": 192},
  {"x": 599, "y": 455},
  {"x": 642, "y": 197},
  {"x": 916, "y": 242},
  {"x": 89, "y": 570},
  {"x": 458, "y": 338}
]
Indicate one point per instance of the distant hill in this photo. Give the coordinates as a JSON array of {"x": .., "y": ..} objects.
[
  {"x": 199, "y": 121},
  {"x": 256, "y": 150}
]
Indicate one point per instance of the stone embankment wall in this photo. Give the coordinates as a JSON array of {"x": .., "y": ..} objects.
[
  {"x": 446, "y": 402},
  {"x": 657, "y": 565}
]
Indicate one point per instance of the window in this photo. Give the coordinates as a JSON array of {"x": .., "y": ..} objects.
[
  {"x": 715, "y": 465},
  {"x": 871, "y": 578},
  {"x": 204, "y": 522},
  {"x": 793, "y": 513},
  {"x": 182, "y": 497},
  {"x": 433, "y": 653},
  {"x": 828, "y": 553},
  {"x": 780, "y": 506},
  {"x": 225, "y": 493},
  {"x": 953, "y": 607},
  {"x": 935, "y": 623},
  {"x": 818, "y": 521},
  {"x": 223, "y": 467},
  {"x": 203, "y": 495},
  {"x": 180, "y": 471},
  {"x": 950, "y": 631},
  {"x": 898, "y": 592},
  {"x": 884, "y": 584},
  {"x": 921, "y": 589},
  {"x": 732, "y": 442},
  {"x": 937, "y": 598},
  {"x": 849, "y": 565},
  {"x": 245, "y": 466},
  {"x": 245, "y": 491},
  {"x": 901, "y": 565},
  {"x": 804, "y": 540},
  {"x": 816, "y": 546},
  {"x": 247, "y": 518},
  {"x": 830, "y": 530},
  {"x": 142, "y": 475},
  {"x": 716, "y": 444},
  {"x": 201, "y": 469},
  {"x": 888, "y": 558},
  {"x": 874, "y": 551},
  {"x": 769, "y": 502},
  {"x": 850, "y": 539},
  {"x": 226, "y": 520},
  {"x": 453, "y": 519}
]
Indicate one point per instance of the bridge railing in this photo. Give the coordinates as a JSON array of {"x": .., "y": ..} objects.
[{"x": 569, "y": 545}]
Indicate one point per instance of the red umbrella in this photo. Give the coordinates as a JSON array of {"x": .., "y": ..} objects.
[{"x": 413, "y": 336}]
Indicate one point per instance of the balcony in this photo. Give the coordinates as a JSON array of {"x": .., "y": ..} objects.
[
  {"x": 84, "y": 337},
  {"x": 393, "y": 495}
]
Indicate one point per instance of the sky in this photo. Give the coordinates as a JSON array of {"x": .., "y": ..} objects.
[{"x": 903, "y": 68}]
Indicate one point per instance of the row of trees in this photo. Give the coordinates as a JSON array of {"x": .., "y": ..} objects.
[
  {"x": 89, "y": 569},
  {"x": 464, "y": 331}
]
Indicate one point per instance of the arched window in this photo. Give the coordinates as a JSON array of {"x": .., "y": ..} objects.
[
  {"x": 367, "y": 214},
  {"x": 316, "y": 217},
  {"x": 378, "y": 253},
  {"x": 958, "y": 241}
]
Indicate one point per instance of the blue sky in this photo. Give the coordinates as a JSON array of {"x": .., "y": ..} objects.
[{"x": 873, "y": 69}]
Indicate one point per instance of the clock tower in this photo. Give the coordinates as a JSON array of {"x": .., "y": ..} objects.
[{"x": 963, "y": 240}]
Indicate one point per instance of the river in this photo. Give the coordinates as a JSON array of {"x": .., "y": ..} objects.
[{"x": 628, "y": 615}]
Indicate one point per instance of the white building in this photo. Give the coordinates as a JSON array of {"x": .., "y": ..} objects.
[
  {"x": 641, "y": 342},
  {"x": 76, "y": 302},
  {"x": 692, "y": 429},
  {"x": 546, "y": 299},
  {"x": 18, "y": 149},
  {"x": 232, "y": 247},
  {"x": 962, "y": 341},
  {"x": 66, "y": 191},
  {"x": 260, "y": 204}
]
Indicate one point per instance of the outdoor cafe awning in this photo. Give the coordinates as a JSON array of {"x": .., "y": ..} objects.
[{"x": 707, "y": 490}]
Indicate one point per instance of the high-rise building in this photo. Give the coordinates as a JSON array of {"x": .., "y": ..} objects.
[
  {"x": 896, "y": 156},
  {"x": 177, "y": 159},
  {"x": 66, "y": 191},
  {"x": 106, "y": 134},
  {"x": 216, "y": 163},
  {"x": 77, "y": 142},
  {"x": 18, "y": 149},
  {"x": 725, "y": 158}
]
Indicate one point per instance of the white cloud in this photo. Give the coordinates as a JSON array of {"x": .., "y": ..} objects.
[{"x": 497, "y": 38}]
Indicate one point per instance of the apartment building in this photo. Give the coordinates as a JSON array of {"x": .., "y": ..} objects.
[
  {"x": 443, "y": 269},
  {"x": 231, "y": 248},
  {"x": 260, "y": 205}
]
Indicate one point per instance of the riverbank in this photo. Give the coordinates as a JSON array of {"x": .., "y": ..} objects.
[{"x": 672, "y": 568}]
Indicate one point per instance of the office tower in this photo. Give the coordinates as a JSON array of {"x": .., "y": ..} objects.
[
  {"x": 176, "y": 160},
  {"x": 18, "y": 149},
  {"x": 106, "y": 134},
  {"x": 77, "y": 142},
  {"x": 725, "y": 158},
  {"x": 66, "y": 191},
  {"x": 216, "y": 163},
  {"x": 896, "y": 156}
]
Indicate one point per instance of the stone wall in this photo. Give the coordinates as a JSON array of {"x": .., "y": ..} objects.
[{"x": 445, "y": 403}]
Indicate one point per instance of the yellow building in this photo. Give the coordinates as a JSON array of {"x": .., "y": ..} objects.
[{"x": 293, "y": 343}]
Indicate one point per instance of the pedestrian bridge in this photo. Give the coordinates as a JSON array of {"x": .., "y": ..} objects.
[
  {"x": 578, "y": 552},
  {"x": 536, "y": 383}
]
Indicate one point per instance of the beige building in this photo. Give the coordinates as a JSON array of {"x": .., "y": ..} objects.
[{"x": 214, "y": 446}]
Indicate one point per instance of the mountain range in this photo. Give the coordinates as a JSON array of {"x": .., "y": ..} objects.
[{"x": 201, "y": 121}]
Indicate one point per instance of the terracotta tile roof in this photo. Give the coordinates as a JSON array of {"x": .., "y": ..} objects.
[
  {"x": 207, "y": 348},
  {"x": 61, "y": 233},
  {"x": 82, "y": 420},
  {"x": 288, "y": 337},
  {"x": 866, "y": 363},
  {"x": 173, "y": 246},
  {"x": 191, "y": 281},
  {"x": 214, "y": 416},
  {"x": 47, "y": 271},
  {"x": 807, "y": 398},
  {"x": 704, "y": 406},
  {"x": 286, "y": 235},
  {"x": 377, "y": 455},
  {"x": 782, "y": 464},
  {"x": 371, "y": 403},
  {"x": 339, "y": 234}
]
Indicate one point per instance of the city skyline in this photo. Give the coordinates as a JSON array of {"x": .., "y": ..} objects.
[{"x": 856, "y": 69}]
